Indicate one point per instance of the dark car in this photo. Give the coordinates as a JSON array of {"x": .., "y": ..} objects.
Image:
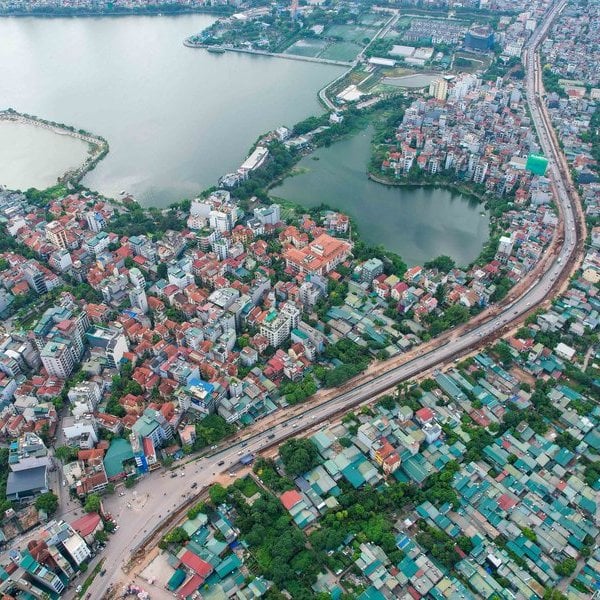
[
  {"x": 194, "y": 485},
  {"x": 221, "y": 463}
]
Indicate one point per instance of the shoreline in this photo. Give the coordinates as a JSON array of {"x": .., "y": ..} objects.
[
  {"x": 427, "y": 184},
  {"x": 325, "y": 61},
  {"x": 98, "y": 147},
  {"x": 150, "y": 12}
]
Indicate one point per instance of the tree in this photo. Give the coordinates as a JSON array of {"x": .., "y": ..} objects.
[
  {"x": 101, "y": 537},
  {"x": 65, "y": 453},
  {"x": 93, "y": 503},
  {"x": 298, "y": 456},
  {"x": 387, "y": 402},
  {"x": 566, "y": 567},
  {"x": 211, "y": 430},
  {"x": 109, "y": 526},
  {"x": 176, "y": 536},
  {"x": 503, "y": 352},
  {"x": 161, "y": 270},
  {"x": 217, "y": 493},
  {"x": 553, "y": 594},
  {"x": 428, "y": 385},
  {"x": 443, "y": 263},
  {"x": 47, "y": 502}
]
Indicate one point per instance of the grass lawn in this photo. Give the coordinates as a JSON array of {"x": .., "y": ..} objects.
[
  {"x": 373, "y": 19},
  {"x": 350, "y": 33},
  {"x": 306, "y": 47},
  {"x": 247, "y": 486},
  {"x": 341, "y": 51},
  {"x": 477, "y": 62}
]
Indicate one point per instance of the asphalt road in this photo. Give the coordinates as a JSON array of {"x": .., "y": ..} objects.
[{"x": 163, "y": 495}]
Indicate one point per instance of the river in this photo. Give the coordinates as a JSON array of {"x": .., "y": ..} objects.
[
  {"x": 416, "y": 223},
  {"x": 176, "y": 118}
]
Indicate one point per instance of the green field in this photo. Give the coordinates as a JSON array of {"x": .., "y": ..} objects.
[
  {"x": 306, "y": 47},
  {"x": 477, "y": 62},
  {"x": 374, "y": 19},
  {"x": 346, "y": 51},
  {"x": 350, "y": 33}
]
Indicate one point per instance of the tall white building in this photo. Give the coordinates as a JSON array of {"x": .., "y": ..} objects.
[
  {"x": 138, "y": 299},
  {"x": 137, "y": 296},
  {"x": 111, "y": 344},
  {"x": 57, "y": 234},
  {"x": 439, "y": 89},
  {"x": 268, "y": 215},
  {"x": 505, "y": 245},
  {"x": 276, "y": 326},
  {"x": 59, "y": 358},
  {"x": 67, "y": 540},
  {"x": 95, "y": 220}
]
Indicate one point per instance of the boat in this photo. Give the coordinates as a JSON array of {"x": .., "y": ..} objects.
[{"x": 216, "y": 50}]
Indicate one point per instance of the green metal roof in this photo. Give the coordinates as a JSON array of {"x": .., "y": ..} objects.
[{"x": 119, "y": 451}]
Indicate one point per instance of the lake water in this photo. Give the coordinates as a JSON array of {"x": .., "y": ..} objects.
[
  {"x": 176, "y": 118},
  {"x": 25, "y": 159},
  {"x": 417, "y": 223}
]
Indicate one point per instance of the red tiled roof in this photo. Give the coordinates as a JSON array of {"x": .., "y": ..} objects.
[
  {"x": 190, "y": 587},
  {"x": 196, "y": 564},
  {"x": 424, "y": 414},
  {"x": 505, "y": 502},
  {"x": 87, "y": 524},
  {"x": 290, "y": 499}
]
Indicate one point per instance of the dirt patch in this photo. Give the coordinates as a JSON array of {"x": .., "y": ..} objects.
[
  {"x": 158, "y": 571},
  {"x": 523, "y": 376}
]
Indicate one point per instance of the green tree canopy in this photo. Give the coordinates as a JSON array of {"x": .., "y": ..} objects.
[
  {"x": 92, "y": 503},
  {"x": 47, "y": 502},
  {"x": 217, "y": 493},
  {"x": 298, "y": 456}
]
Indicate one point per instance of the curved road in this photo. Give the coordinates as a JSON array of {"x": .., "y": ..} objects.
[{"x": 163, "y": 498}]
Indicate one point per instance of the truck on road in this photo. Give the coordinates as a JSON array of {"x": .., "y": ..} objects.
[{"x": 247, "y": 458}]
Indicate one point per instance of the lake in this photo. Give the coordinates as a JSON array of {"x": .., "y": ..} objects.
[
  {"x": 416, "y": 223},
  {"x": 34, "y": 157},
  {"x": 176, "y": 118}
]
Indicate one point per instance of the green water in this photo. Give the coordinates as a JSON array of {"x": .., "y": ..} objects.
[{"x": 417, "y": 223}]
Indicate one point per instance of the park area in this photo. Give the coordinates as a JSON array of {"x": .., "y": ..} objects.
[
  {"x": 351, "y": 33},
  {"x": 307, "y": 47},
  {"x": 346, "y": 51},
  {"x": 374, "y": 19}
]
